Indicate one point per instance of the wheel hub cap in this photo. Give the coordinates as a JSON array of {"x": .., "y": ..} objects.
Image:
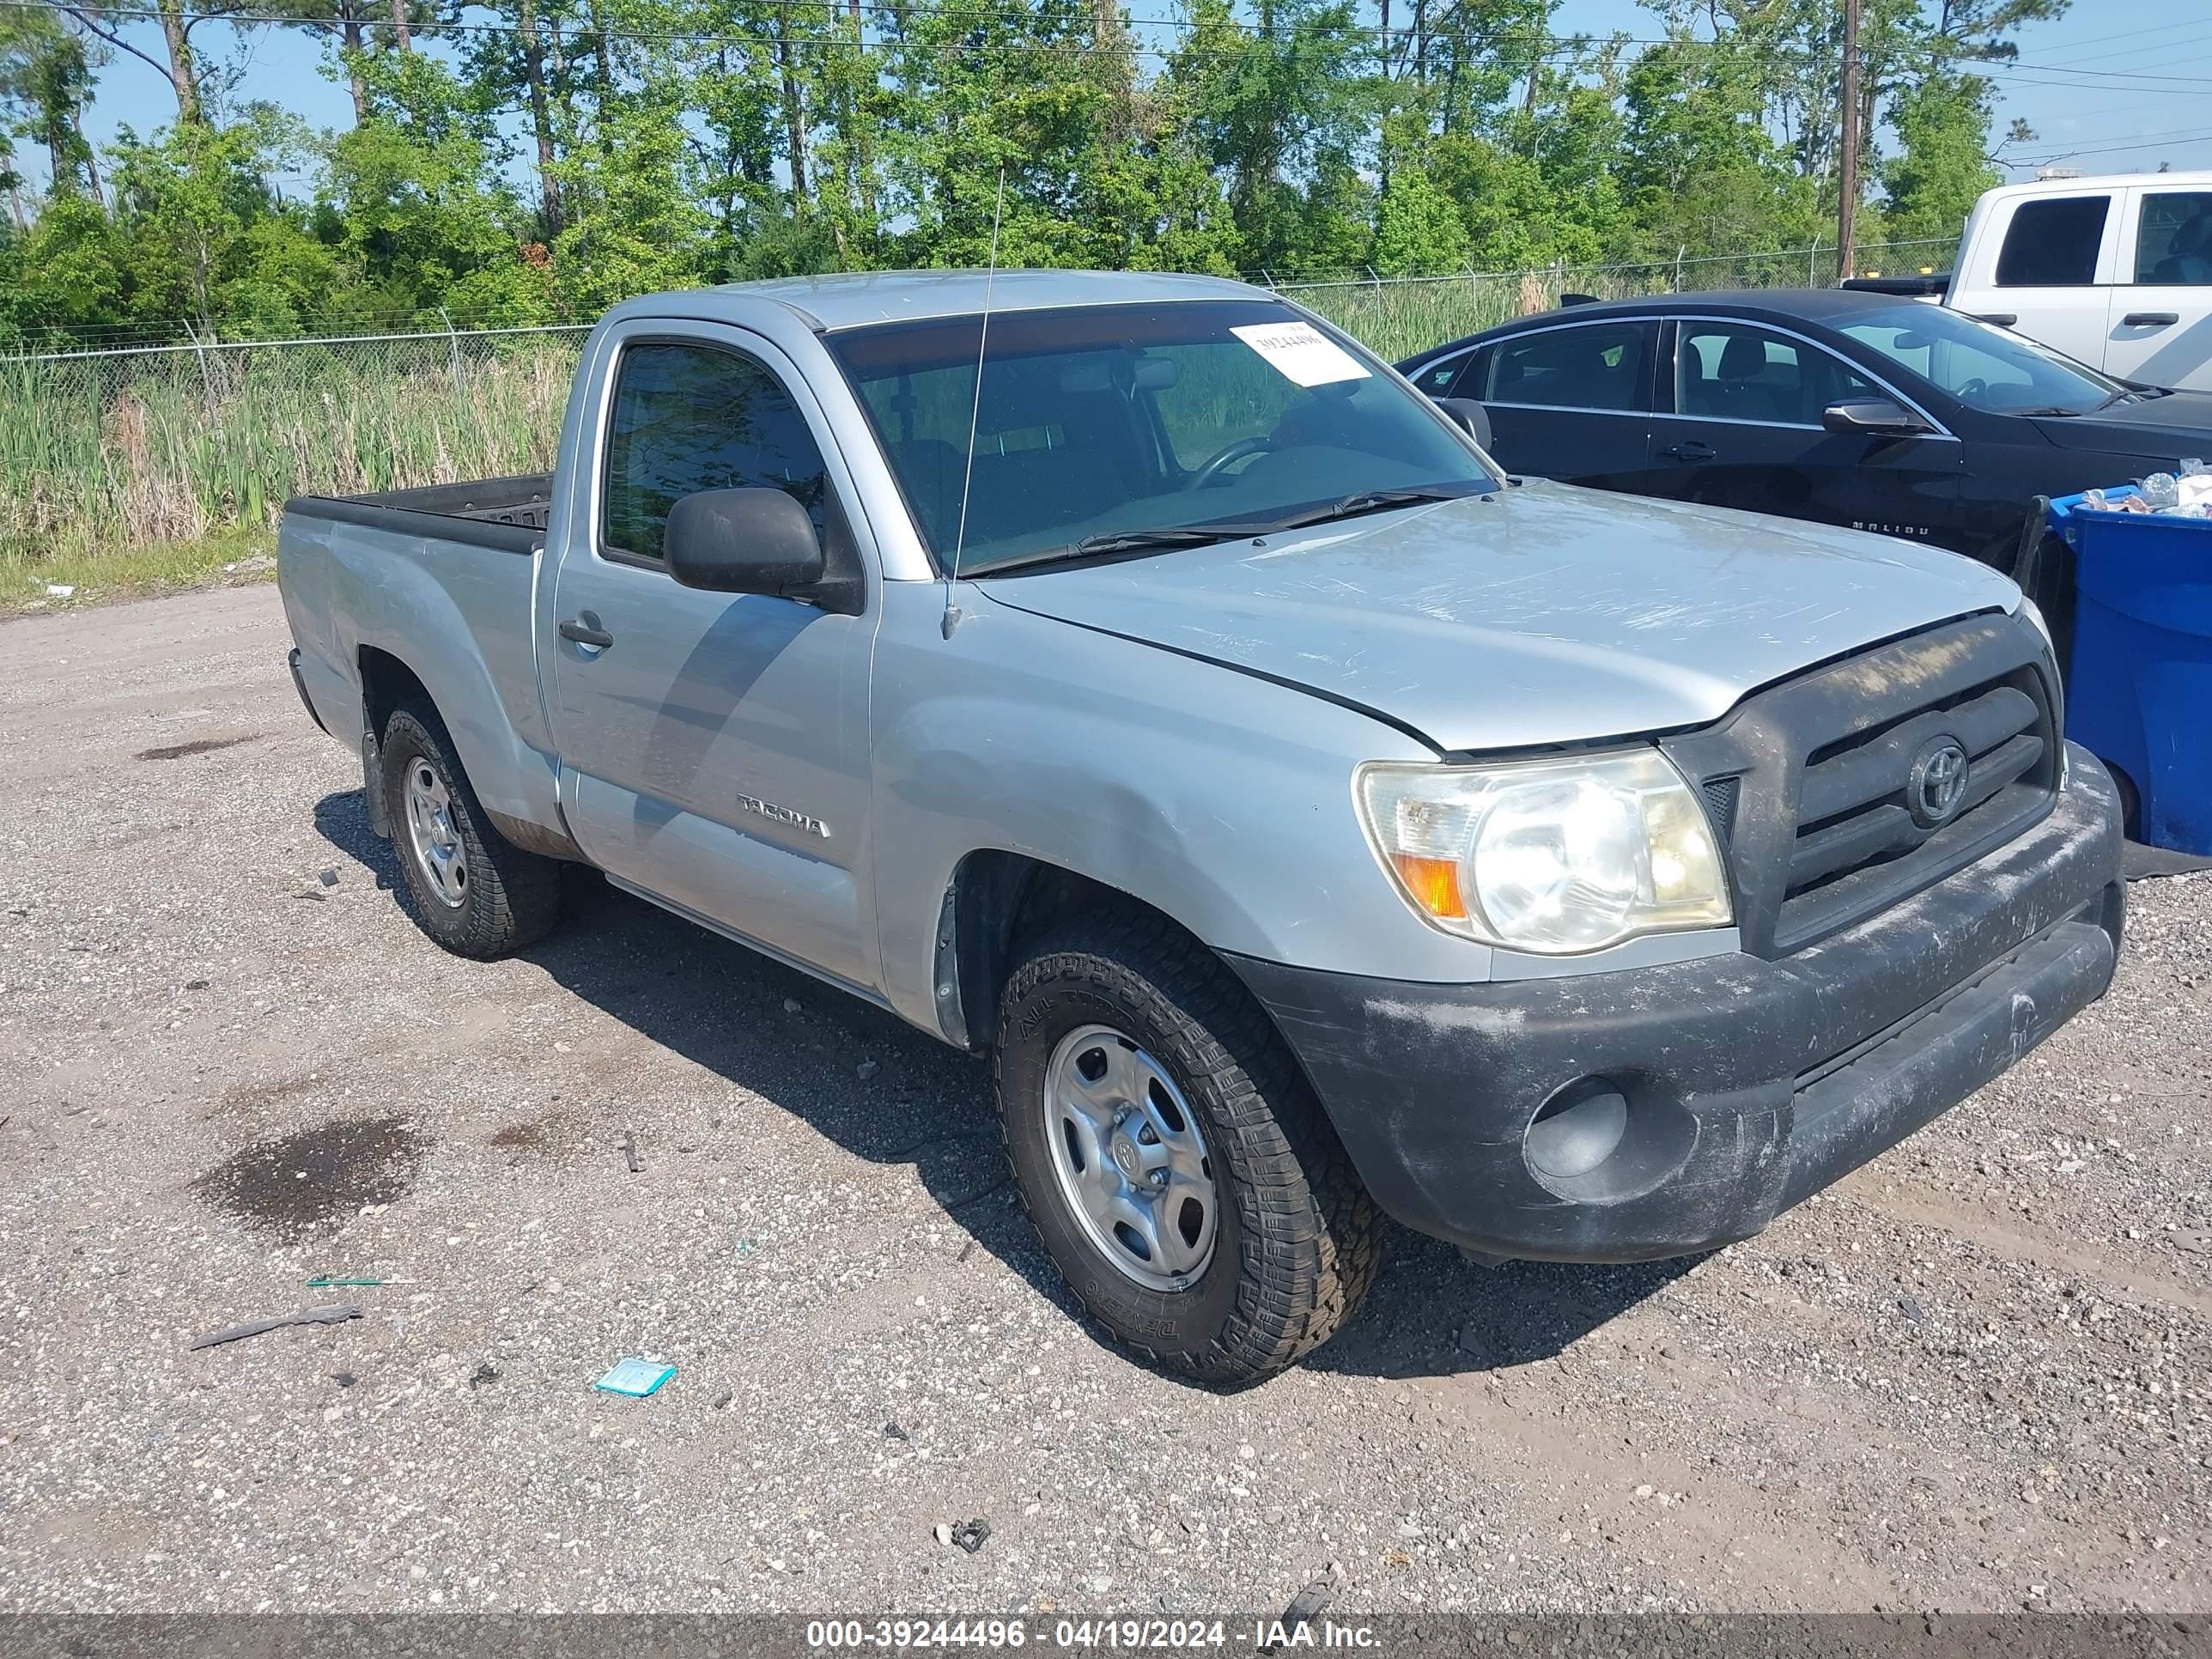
[
  {"x": 1131, "y": 1161},
  {"x": 436, "y": 840}
]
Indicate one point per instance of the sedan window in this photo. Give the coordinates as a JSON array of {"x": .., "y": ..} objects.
[
  {"x": 1733, "y": 371},
  {"x": 1991, "y": 369},
  {"x": 1599, "y": 367}
]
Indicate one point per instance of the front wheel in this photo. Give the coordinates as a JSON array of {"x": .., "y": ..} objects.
[{"x": 1172, "y": 1156}]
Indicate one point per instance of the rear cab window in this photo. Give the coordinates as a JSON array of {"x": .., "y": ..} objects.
[
  {"x": 2053, "y": 242},
  {"x": 1597, "y": 366}
]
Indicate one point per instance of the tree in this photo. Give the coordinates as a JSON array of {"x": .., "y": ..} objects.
[{"x": 46, "y": 82}]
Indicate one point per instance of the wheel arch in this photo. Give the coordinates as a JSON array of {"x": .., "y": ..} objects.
[{"x": 994, "y": 900}]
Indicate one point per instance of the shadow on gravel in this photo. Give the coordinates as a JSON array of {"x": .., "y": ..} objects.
[
  {"x": 723, "y": 1007},
  {"x": 1433, "y": 1314}
]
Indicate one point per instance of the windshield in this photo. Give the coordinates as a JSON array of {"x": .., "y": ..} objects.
[
  {"x": 1983, "y": 368},
  {"x": 1100, "y": 424}
]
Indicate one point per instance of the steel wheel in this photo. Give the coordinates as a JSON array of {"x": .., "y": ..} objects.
[
  {"x": 1131, "y": 1161},
  {"x": 437, "y": 844}
]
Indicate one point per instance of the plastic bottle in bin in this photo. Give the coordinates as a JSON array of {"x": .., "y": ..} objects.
[{"x": 2161, "y": 492}]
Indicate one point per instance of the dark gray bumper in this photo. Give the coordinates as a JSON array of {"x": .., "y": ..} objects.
[{"x": 1749, "y": 1084}]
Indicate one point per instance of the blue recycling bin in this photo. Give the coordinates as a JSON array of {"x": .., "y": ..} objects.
[{"x": 2139, "y": 684}]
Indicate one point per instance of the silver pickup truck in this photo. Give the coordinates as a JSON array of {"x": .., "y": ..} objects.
[{"x": 1130, "y": 678}]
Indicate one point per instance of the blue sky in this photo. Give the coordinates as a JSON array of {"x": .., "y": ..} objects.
[{"x": 2117, "y": 89}]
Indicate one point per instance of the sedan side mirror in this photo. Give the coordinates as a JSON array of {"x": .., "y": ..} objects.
[
  {"x": 744, "y": 541},
  {"x": 1872, "y": 417},
  {"x": 1469, "y": 416}
]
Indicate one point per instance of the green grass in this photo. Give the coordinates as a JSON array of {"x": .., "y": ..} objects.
[
  {"x": 211, "y": 561},
  {"x": 99, "y": 462},
  {"x": 121, "y": 473}
]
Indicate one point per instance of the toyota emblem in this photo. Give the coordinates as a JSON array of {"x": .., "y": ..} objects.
[{"x": 1938, "y": 782}]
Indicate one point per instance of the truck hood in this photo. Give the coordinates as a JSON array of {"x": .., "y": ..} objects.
[
  {"x": 2160, "y": 429},
  {"x": 1546, "y": 614}
]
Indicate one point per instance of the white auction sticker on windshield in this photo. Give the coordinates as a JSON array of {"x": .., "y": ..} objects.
[{"x": 1301, "y": 353}]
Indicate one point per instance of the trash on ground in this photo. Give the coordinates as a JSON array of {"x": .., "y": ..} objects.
[
  {"x": 723, "y": 1398},
  {"x": 629, "y": 1152},
  {"x": 746, "y": 1246},
  {"x": 635, "y": 1377},
  {"x": 892, "y": 1432},
  {"x": 325, "y": 1282},
  {"x": 969, "y": 1535},
  {"x": 1308, "y": 1604},
  {"x": 328, "y": 877},
  {"x": 60, "y": 590},
  {"x": 866, "y": 1069},
  {"x": 485, "y": 1372},
  {"x": 330, "y": 1316}
]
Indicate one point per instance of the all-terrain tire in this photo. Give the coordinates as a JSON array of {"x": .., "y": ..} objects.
[
  {"x": 1297, "y": 1240},
  {"x": 511, "y": 898}
]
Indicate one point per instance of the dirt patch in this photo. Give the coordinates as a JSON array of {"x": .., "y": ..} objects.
[
  {"x": 298, "y": 1182},
  {"x": 547, "y": 1132},
  {"x": 197, "y": 746}
]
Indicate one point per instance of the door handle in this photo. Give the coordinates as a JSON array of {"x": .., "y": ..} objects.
[
  {"x": 2150, "y": 319},
  {"x": 2002, "y": 318},
  {"x": 585, "y": 630},
  {"x": 1691, "y": 450}
]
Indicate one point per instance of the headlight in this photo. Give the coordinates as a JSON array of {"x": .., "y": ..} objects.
[{"x": 1552, "y": 856}]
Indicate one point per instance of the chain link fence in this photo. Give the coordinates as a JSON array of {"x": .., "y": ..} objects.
[{"x": 110, "y": 449}]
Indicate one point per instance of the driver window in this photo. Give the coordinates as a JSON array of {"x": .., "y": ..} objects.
[
  {"x": 688, "y": 418},
  {"x": 2174, "y": 238}
]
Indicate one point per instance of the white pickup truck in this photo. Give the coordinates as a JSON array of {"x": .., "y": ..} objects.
[
  {"x": 1308, "y": 818},
  {"x": 2115, "y": 272}
]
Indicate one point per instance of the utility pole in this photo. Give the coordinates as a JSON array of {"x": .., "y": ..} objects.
[{"x": 1847, "y": 189}]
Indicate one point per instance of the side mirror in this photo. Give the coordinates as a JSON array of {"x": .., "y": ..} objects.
[
  {"x": 742, "y": 541},
  {"x": 1469, "y": 416},
  {"x": 1871, "y": 417}
]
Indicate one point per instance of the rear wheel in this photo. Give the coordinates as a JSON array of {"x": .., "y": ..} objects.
[
  {"x": 1172, "y": 1157},
  {"x": 470, "y": 889}
]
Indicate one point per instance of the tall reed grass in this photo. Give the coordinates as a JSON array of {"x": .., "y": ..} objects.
[
  {"x": 108, "y": 454},
  {"x": 91, "y": 460}
]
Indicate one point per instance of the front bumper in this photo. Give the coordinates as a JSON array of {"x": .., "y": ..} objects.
[{"x": 1749, "y": 1084}]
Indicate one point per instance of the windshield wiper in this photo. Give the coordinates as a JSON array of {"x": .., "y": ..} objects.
[
  {"x": 2119, "y": 396},
  {"x": 2052, "y": 410},
  {"x": 1368, "y": 501},
  {"x": 1109, "y": 543}
]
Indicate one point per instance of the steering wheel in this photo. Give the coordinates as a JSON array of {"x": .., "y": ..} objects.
[
  {"x": 1972, "y": 389},
  {"x": 1222, "y": 460}
]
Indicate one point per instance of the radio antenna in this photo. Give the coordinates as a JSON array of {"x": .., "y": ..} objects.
[{"x": 976, "y": 411}]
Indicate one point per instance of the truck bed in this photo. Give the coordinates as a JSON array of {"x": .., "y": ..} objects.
[{"x": 509, "y": 514}]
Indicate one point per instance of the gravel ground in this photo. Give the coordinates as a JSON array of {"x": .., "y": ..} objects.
[{"x": 1972, "y": 1377}]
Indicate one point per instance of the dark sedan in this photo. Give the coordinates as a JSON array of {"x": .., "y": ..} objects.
[{"x": 1868, "y": 410}]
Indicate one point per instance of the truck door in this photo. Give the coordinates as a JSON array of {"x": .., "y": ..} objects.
[
  {"x": 2160, "y": 312},
  {"x": 2042, "y": 267},
  {"x": 715, "y": 746}
]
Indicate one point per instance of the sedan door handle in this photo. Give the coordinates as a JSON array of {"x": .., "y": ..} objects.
[
  {"x": 1691, "y": 450},
  {"x": 584, "y": 632},
  {"x": 2150, "y": 319}
]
